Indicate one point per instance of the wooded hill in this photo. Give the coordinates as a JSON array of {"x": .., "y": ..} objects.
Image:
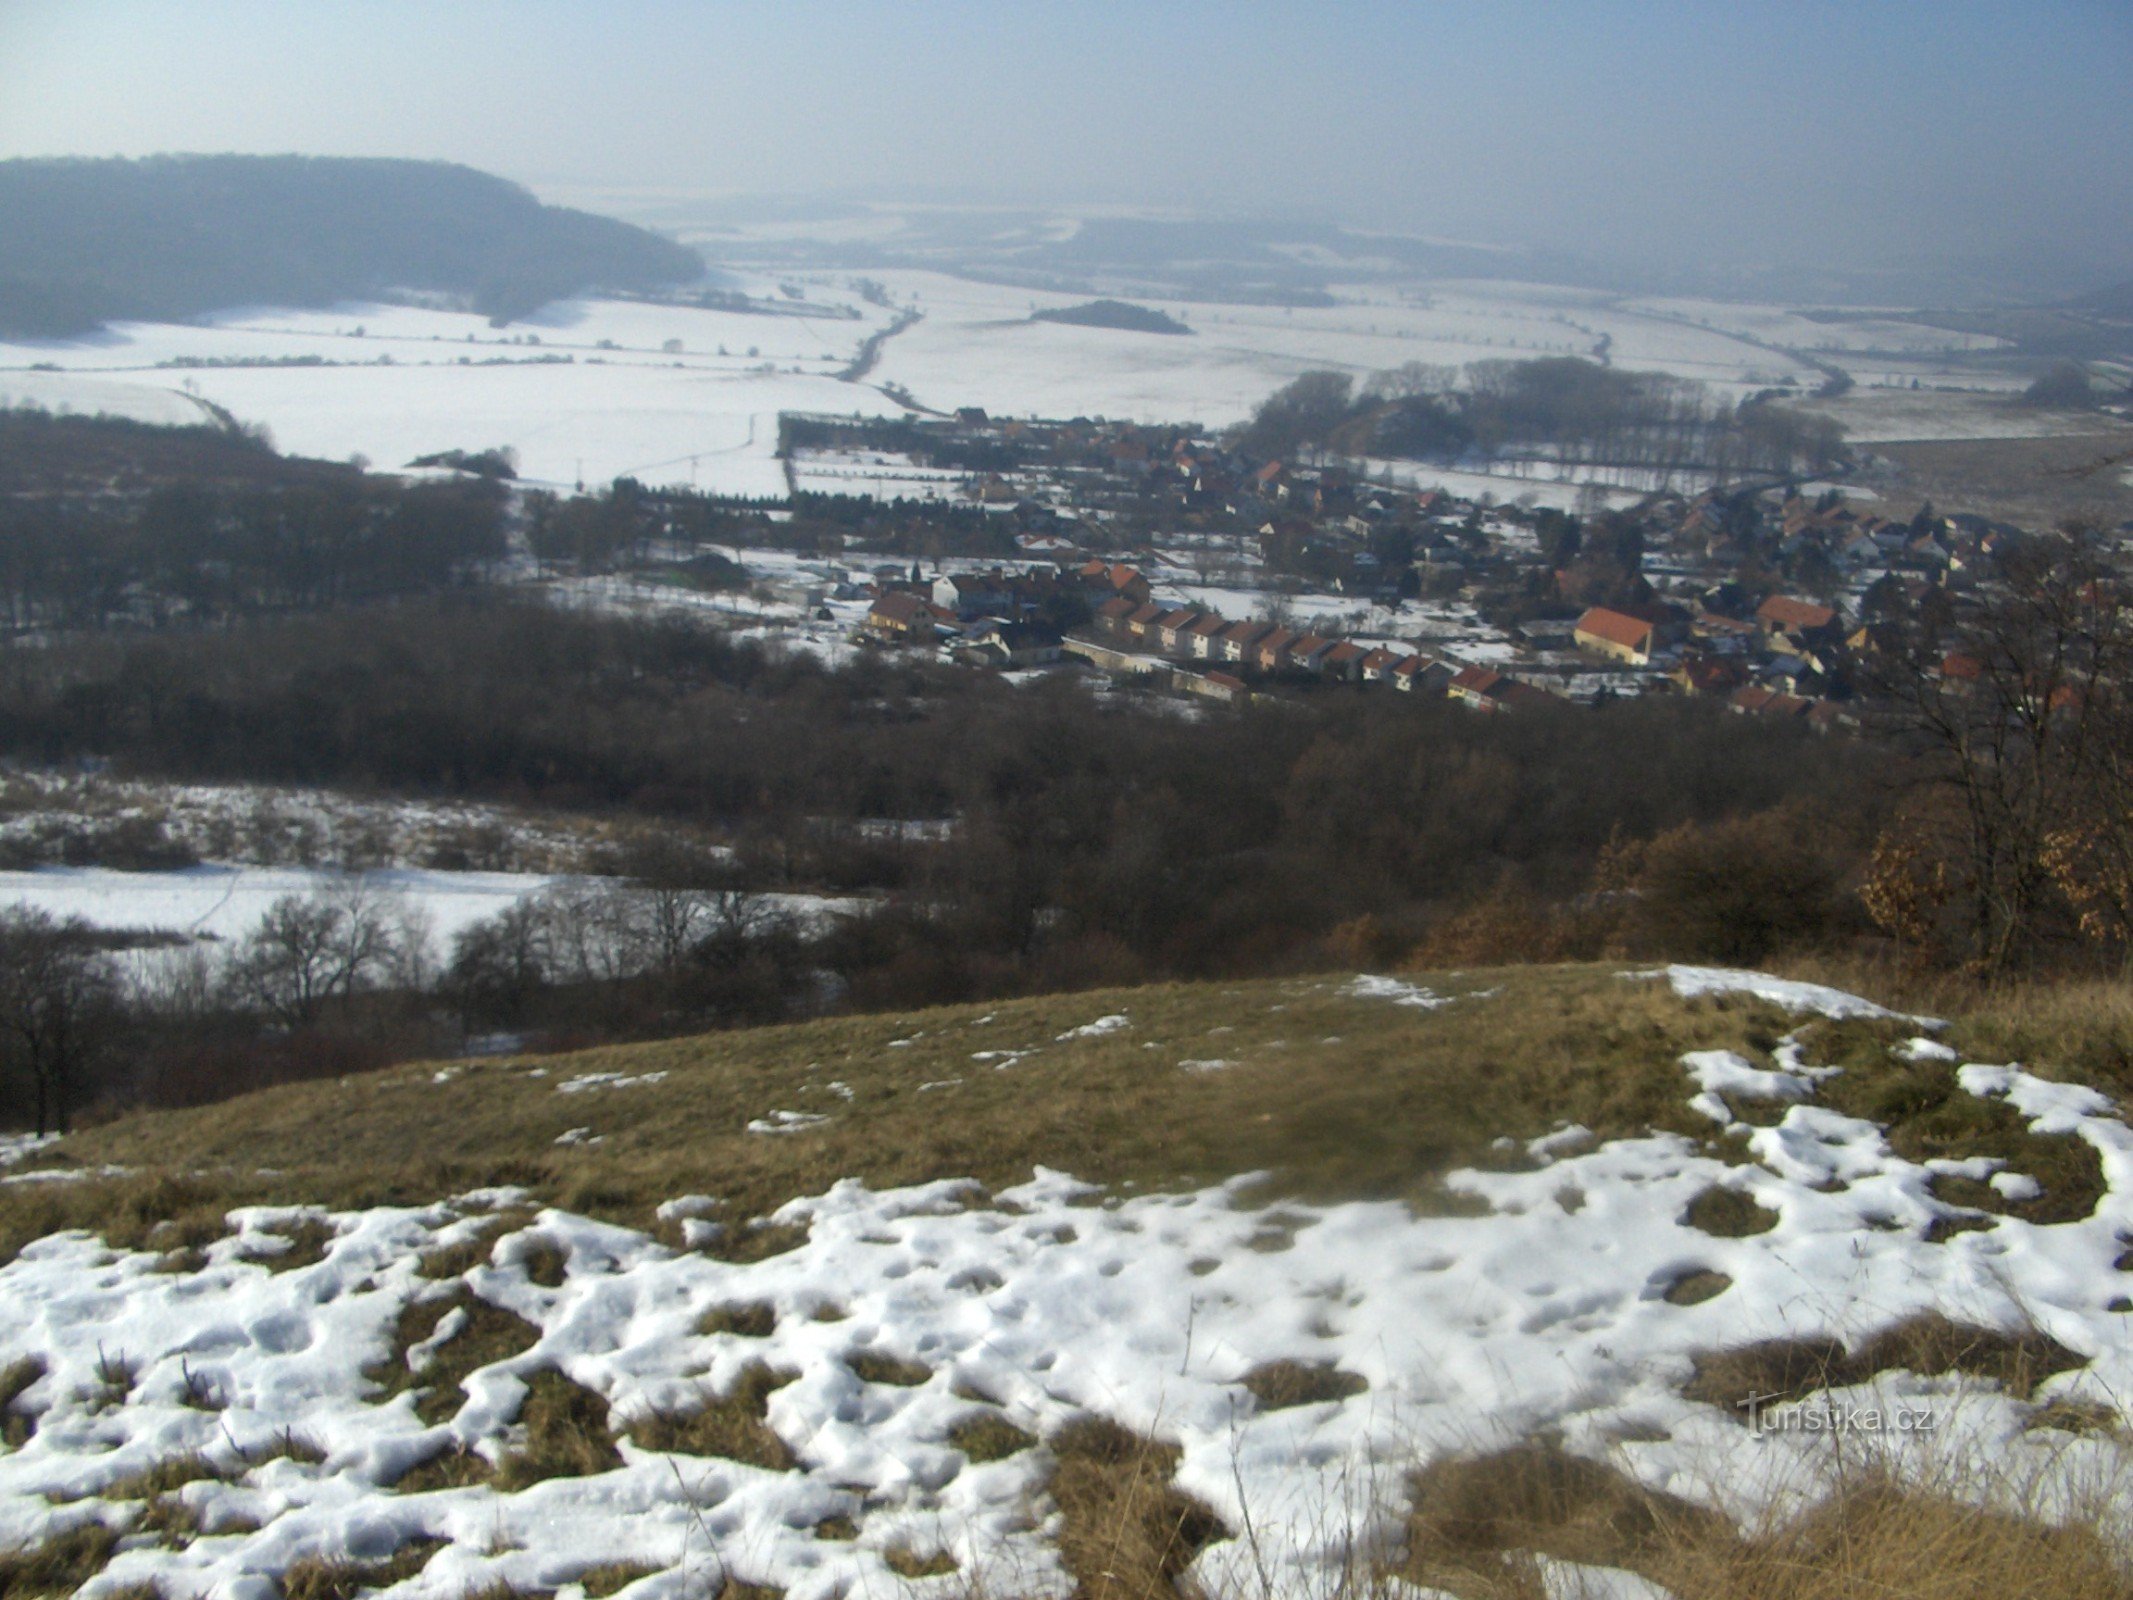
[{"x": 83, "y": 242}]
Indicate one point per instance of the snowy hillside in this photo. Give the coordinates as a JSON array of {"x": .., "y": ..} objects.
[{"x": 905, "y": 1386}]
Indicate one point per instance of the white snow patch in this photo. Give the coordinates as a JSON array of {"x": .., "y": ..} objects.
[
  {"x": 1397, "y": 990},
  {"x": 1095, "y": 1030}
]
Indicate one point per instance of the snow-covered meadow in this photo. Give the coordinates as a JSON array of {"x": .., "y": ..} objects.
[
  {"x": 589, "y": 390},
  {"x": 1548, "y": 1309}
]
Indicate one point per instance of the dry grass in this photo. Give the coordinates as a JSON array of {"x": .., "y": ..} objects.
[
  {"x": 1728, "y": 1214},
  {"x": 602, "y": 1581},
  {"x": 988, "y": 1436},
  {"x": 878, "y": 1366},
  {"x": 16, "y": 1423},
  {"x": 1772, "y": 1371},
  {"x": 308, "y": 1240},
  {"x": 546, "y": 1263},
  {"x": 750, "y": 1319},
  {"x": 907, "y": 1562},
  {"x": 1277, "y": 1385},
  {"x": 1695, "y": 1287},
  {"x": 567, "y": 1435},
  {"x": 288, "y": 1445},
  {"x": 315, "y": 1579},
  {"x": 1929, "y": 1115},
  {"x": 1468, "y": 1512},
  {"x": 165, "y": 1477},
  {"x": 732, "y": 1425},
  {"x": 454, "y": 1467},
  {"x": 1403, "y": 1097},
  {"x": 1477, "y": 1522},
  {"x": 58, "y": 1564},
  {"x": 1126, "y": 1531},
  {"x": 456, "y": 1260},
  {"x": 489, "y": 1334}
]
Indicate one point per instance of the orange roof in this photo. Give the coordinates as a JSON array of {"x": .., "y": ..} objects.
[
  {"x": 1782, "y": 611},
  {"x": 1612, "y": 626}
]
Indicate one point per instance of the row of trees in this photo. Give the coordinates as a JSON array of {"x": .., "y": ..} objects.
[
  {"x": 1562, "y": 409},
  {"x": 206, "y": 551},
  {"x": 85, "y": 1022}
]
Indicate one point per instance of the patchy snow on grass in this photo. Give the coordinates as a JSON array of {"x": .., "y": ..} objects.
[
  {"x": 1470, "y": 1330},
  {"x": 787, "y": 1122},
  {"x": 590, "y": 1081},
  {"x": 1689, "y": 982},
  {"x": 1398, "y": 990},
  {"x": 1115, "y": 1023}
]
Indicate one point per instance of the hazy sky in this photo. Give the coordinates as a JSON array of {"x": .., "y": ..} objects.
[{"x": 1724, "y": 130}]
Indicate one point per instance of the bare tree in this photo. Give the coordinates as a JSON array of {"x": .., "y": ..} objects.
[
  {"x": 309, "y": 949},
  {"x": 56, "y": 993},
  {"x": 2018, "y": 708}
]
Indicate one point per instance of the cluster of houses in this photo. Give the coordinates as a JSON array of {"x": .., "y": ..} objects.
[{"x": 1690, "y": 610}]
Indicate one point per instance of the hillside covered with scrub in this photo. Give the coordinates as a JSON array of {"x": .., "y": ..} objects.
[{"x": 1519, "y": 1282}]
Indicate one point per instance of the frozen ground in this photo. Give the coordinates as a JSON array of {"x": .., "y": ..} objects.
[
  {"x": 400, "y": 382},
  {"x": 43, "y": 815},
  {"x": 224, "y": 903},
  {"x": 1887, "y": 416},
  {"x": 678, "y": 395},
  {"x": 1545, "y": 1310}
]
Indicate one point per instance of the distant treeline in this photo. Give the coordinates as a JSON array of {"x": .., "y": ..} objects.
[
  {"x": 207, "y": 525},
  {"x": 1560, "y": 409},
  {"x": 83, "y": 242},
  {"x": 1088, "y": 841},
  {"x": 1120, "y": 314}
]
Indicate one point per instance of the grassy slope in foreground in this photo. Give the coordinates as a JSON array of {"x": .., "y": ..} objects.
[
  {"x": 1337, "y": 1093},
  {"x": 924, "y": 1373}
]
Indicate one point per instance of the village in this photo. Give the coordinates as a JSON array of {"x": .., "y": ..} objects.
[{"x": 1164, "y": 559}]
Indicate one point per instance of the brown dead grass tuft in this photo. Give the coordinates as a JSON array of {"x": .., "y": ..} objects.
[
  {"x": 315, "y": 1579},
  {"x": 1277, "y": 1385},
  {"x": 733, "y": 1425},
  {"x": 1468, "y": 1511},
  {"x": 546, "y": 1263},
  {"x": 1126, "y": 1531},
  {"x": 454, "y": 1467},
  {"x": 602, "y": 1581},
  {"x": 1695, "y": 1287},
  {"x": 988, "y": 1436},
  {"x": 475, "y": 1250},
  {"x": 58, "y": 1564},
  {"x": 907, "y": 1562},
  {"x": 567, "y": 1434},
  {"x": 489, "y": 1334},
  {"x": 165, "y": 1477},
  {"x": 1728, "y": 1214},
  {"x": 17, "y": 1423},
  {"x": 750, "y": 1319},
  {"x": 878, "y": 1366},
  {"x": 308, "y": 1240},
  {"x": 1772, "y": 1371},
  {"x": 1477, "y": 1522}
]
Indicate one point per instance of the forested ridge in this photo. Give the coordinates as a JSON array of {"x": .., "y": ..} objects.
[{"x": 83, "y": 242}]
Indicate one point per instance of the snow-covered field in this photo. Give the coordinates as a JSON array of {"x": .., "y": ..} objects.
[
  {"x": 404, "y": 381},
  {"x": 1888, "y": 416},
  {"x": 1545, "y": 1310},
  {"x": 679, "y": 395},
  {"x": 224, "y": 903}
]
